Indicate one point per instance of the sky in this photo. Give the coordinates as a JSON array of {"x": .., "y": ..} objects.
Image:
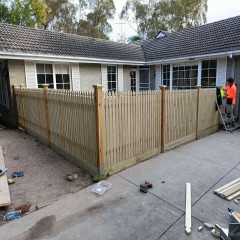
[{"x": 217, "y": 10}]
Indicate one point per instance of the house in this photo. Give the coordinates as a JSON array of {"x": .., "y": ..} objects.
[{"x": 205, "y": 55}]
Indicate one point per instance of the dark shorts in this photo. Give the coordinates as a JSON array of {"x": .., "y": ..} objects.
[{"x": 229, "y": 101}]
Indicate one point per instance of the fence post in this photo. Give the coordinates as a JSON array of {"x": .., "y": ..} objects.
[
  {"x": 23, "y": 106},
  {"x": 198, "y": 111},
  {"x": 15, "y": 103},
  {"x": 98, "y": 96},
  {"x": 163, "y": 117},
  {"x": 45, "y": 93}
]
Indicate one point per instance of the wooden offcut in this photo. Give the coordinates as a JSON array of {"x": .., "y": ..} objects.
[
  {"x": 230, "y": 190},
  {"x": 188, "y": 213},
  {"x": 219, "y": 190},
  {"x": 5, "y": 199}
]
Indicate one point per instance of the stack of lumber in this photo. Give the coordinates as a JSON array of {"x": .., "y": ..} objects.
[
  {"x": 229, "y": 191},
  {"x": 4, "y": 190}
]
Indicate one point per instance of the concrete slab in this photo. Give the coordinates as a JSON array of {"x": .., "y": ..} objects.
[
  {"x": 176, "y": 232},
  {"x": 211, "y": 208},
  {"x": 126, "y": 213},
  {"x": 223, "y": 138},
  {"x": 215, "y": 149},
  {"x": 121, "y": 213},
  {"x": 176, "y": 168}
]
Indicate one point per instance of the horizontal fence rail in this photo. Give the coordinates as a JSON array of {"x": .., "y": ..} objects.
[{"x": 108, "y": 132}]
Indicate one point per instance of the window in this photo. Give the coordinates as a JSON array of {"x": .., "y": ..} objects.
[
  {"x": 62, "y": 76},
  {"x": 185, "y": 77},
  {"x": 112, "y": 78},
  {"x": 209, "y": 73},
  {"x": 57, "y": 76},
  {"x": 166, "y": 75},
  {"x": 133, "y": 75},
  {"x": 45, "y": 75}
]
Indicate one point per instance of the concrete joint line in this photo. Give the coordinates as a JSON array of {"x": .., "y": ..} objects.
[
  {"x": 153, "y": 195},
  {"x": 215, "y": 184}
]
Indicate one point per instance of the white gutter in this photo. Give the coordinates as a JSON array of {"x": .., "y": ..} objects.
[
  {"x": 197, "y": 57},
  {"x": 40, "y": 57}
]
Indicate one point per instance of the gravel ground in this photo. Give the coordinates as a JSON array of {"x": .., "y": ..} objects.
[{"x": 44, "y": 171}]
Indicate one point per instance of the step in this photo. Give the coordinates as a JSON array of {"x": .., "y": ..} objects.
[{"x": 237, "y": 126}]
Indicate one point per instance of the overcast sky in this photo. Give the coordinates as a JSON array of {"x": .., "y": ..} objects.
[{"x": 217, "y": 10}]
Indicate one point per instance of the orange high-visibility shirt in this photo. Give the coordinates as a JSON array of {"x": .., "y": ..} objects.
[{"x": 231, "y": 92}]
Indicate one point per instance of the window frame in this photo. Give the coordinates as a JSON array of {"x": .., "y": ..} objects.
[
  {"x": 185, "y": 75},
  {"x": 69, "y": 73},
  {"x": 133, "y": 87},
  {"x": 116, "y": 73},
  {"x": 54, "y": 73},
  {"x": 208, "y": 69},
  {"x": 167, "y": 80},
  {"x": 44, "y": 73}
]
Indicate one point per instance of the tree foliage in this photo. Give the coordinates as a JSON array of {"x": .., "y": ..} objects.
[
  {"x": 151, "y": 16},
  {"x": 95, "y": 22},
  {"x": 29, "y": 13},
  {"x": 61, "y": 15}
]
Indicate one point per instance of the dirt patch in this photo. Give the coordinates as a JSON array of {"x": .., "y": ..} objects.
[{"x": 44, "y": 171}]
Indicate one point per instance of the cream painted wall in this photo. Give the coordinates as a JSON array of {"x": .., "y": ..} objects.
[
  {"x": 126, "y": 78},
  {"x": 16, "y": 70},
  {"x": 90, "y": 74}
]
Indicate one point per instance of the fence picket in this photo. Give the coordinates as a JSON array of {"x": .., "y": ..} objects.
[{"x": 132, "y": 122}]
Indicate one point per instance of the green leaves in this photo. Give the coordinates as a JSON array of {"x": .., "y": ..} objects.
[
  {"x": 30, "y": 13},
  {"x": 151, "y": 16},
  {"x": 95, "y": 23},
  {"x": 61, "y": 15}
]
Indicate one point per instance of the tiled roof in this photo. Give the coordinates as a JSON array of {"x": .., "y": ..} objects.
[
  {"x": 18, "y": 39},
  {"x": 217, "y": 37}
]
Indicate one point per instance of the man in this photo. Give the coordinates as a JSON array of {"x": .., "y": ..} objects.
[{"x": 231, "y": 92}]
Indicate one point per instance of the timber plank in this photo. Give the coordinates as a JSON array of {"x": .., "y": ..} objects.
[{"x": 5, "y": 199}]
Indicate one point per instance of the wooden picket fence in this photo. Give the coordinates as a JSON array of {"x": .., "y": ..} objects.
[{"x": 108, "y": 132}]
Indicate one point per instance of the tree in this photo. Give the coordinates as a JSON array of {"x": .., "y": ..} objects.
[
  {"x": 151, "y": 16},
  {"x": 61, "y": 15},
  {"x": 134, "y": 38},
  {"x": 28, "y": 13},
  {"x": 95, "y": 22},
  {"x": 4, "y": 12}
]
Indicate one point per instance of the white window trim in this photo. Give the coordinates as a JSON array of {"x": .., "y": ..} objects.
[
  {"x": 116, "y": 76},
  {"x": 54, "y": 72}
]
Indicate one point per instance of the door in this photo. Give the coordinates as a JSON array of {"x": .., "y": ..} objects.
[{"x": 144, "y": 79}]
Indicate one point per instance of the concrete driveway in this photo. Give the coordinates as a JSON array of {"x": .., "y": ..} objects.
[{"x": 125, "y": 213}]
